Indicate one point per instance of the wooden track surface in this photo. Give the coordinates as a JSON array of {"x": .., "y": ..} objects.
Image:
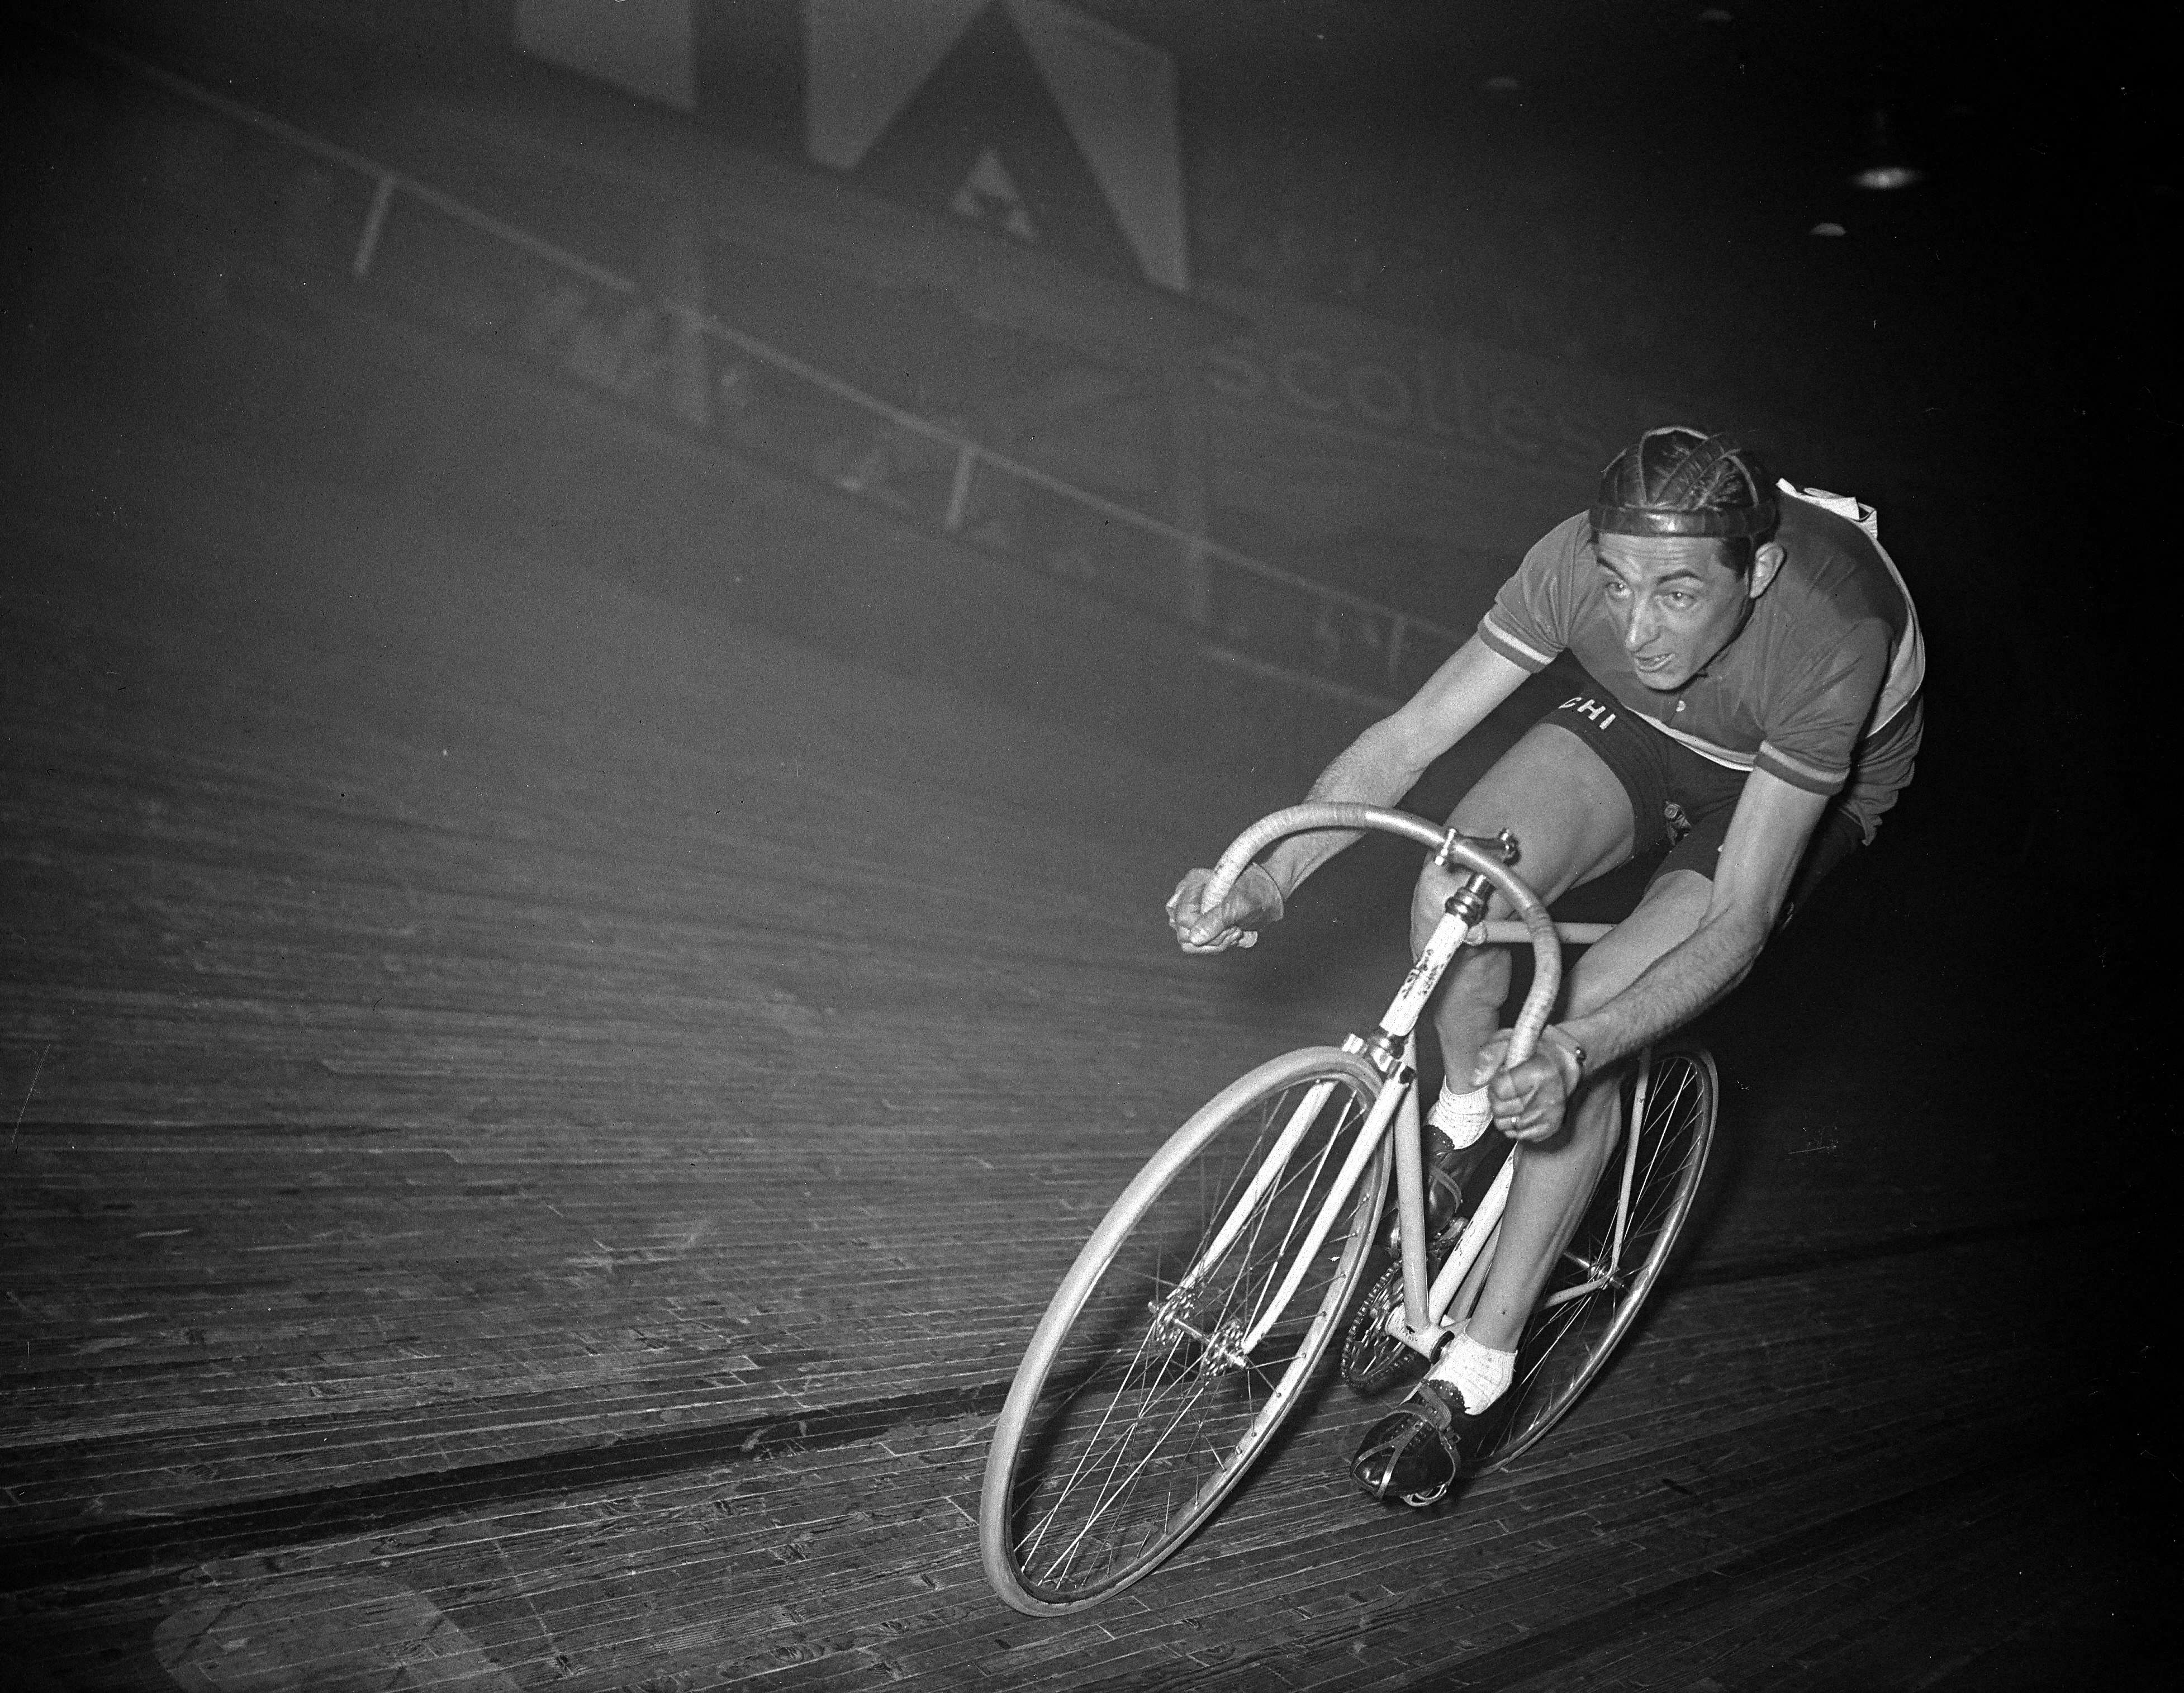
[{"x": 539, "y": 1123}]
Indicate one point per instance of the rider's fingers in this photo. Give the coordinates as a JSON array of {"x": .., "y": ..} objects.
[
  {"x": 1224, "y": 922},
  {"x": 1188, "y": 890},
  {"x": 1191, "y": 921},
  {"x": 1526, "y": 1104}
]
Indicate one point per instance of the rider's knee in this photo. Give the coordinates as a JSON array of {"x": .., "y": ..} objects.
[{"x": 1429, "y": 898}]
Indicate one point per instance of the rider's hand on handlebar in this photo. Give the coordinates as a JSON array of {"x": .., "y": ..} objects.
[
  {"x": 1254, "y": 902},
  {"x": 1528, "y": 1102}
]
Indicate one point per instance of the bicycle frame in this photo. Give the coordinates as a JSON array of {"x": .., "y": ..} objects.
[
  {"x": 1116, "y": 1437},
  {"x": 1420, "y": 1321}
]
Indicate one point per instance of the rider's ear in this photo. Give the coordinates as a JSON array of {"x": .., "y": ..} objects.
[{"x": 1766, "y": 561}]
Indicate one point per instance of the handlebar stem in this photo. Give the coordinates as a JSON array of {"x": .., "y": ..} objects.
[
  {"x": 1501, "y": 844},
  {"x": 1469, "y": 902},
  {"x": 1491, "y": 861}
]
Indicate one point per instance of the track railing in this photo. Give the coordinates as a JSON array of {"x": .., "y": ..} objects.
[{"x": 394, "y": 234}]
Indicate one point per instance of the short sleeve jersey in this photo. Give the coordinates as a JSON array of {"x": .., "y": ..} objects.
[{"x": 1820, "y": 688}]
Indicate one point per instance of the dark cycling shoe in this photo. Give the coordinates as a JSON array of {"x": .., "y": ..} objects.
[
  {"x": 1443, "y": 1192},
  {"x": 1414, "y": 1457}
]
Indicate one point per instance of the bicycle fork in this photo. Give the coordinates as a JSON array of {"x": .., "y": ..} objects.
[{"x": 1233, "y": 1351}]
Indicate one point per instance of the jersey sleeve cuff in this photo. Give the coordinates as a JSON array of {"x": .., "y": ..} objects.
[
  {"x": 1798, "y": 773},
  {"x": 1519, "y": 653}
]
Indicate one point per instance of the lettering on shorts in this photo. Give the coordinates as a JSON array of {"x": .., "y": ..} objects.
[{"x": 1587, "y": 708}]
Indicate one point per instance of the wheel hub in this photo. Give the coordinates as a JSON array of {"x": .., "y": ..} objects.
[{"x": 1175, "y": 1320}]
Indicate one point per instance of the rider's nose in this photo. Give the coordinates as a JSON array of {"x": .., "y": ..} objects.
[{"x": 1638, "y": 632}]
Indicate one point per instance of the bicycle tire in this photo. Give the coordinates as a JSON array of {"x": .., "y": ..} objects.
[
  {"x": 1565, "y": 1345},
  {"x": 1128, "y": 1423}
]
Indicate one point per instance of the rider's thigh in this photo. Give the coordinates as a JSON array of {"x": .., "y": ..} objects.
[
  {"x": 1569, "y": 813},
  {"x": 1672, "y": 909}
]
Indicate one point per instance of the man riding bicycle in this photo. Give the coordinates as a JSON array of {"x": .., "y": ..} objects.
[{"x": 1752, "y": 665}]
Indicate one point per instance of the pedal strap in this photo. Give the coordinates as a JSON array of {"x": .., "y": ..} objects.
[
  {"x": 1391, "y": 1456},
  {"x": 1431, "y": 1403},
  {"x": 1398, "y": 1457}
]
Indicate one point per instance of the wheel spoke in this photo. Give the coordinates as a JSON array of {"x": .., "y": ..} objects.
[
  {"x": 1143, "y": 1414},
  {"x": 1576, "y": 1327}
]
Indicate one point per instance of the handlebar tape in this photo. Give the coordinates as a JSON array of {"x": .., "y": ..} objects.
[{"x": 1344, "y": 814}]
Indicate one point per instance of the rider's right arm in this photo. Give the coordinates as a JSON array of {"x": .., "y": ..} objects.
[{"x": 1386, "y": 762}]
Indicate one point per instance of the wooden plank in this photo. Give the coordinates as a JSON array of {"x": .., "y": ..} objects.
[{"x": 554, "y": 1117}]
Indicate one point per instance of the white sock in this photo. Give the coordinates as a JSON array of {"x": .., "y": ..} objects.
[
  {"x": 1463, "y": 1118},
  {"x": 1480, "y": 1374}
]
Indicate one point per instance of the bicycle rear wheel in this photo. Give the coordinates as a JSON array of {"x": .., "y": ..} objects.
[
  {"x": 1585, "y": 1311},
  {"x": 1136, "y": 1408}
]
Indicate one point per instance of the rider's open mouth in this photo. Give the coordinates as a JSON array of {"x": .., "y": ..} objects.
[{"x": 1654, "y": 663}]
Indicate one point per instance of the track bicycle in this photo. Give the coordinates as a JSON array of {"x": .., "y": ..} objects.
[{"x": 1195, "y": 1318}]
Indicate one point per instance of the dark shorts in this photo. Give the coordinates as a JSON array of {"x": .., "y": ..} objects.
[{"x": 1683, "y": 802}]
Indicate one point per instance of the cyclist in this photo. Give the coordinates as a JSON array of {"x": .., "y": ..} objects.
[{"x": 1752, "y": 665}]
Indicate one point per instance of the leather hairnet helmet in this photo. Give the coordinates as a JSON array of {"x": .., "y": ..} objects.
[{"x": 1683, "y": 482}]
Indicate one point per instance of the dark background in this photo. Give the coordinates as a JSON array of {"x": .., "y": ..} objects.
[
  {"x": 1629, "y": 189},
  {"x": 311, "y": 538}
]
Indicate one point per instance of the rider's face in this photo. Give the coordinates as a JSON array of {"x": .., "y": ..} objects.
[{"x": 1675, "y": 604}]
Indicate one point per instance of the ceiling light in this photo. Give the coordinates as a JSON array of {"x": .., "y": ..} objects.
[{"x": 1885, "y": 166}]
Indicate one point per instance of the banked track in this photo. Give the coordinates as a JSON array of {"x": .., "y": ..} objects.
[{"x": 553, "y": 1115}]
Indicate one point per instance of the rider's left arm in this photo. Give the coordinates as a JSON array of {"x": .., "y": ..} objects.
[{"x": 1766, "y": 840}]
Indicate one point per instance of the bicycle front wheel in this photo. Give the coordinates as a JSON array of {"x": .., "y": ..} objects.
[
  {"x": 1185, "y": 1332},
  {"x": 1616, "y": 1256}
]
